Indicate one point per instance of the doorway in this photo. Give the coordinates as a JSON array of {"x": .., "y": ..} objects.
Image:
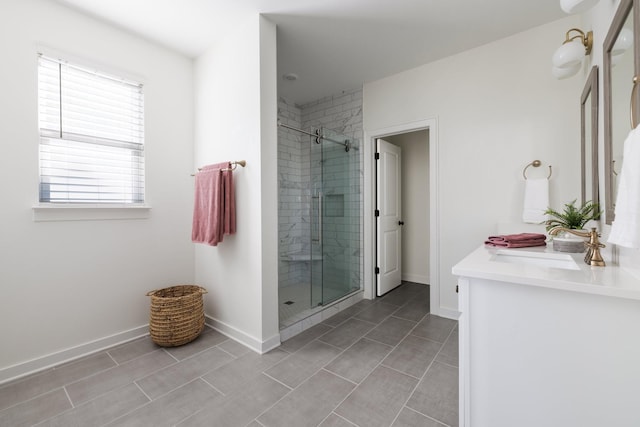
[
  {"x": 426, "y": 250},
  {"x": 402, "y": 211}
]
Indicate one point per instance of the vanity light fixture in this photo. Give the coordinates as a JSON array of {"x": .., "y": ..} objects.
[
  {"x": 567, "y": 60},
  {"x": 577, "y": 6}
]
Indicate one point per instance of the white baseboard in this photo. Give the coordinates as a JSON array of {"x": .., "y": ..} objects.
[
  {"x": 448, "y": 313},
  {"x": 416, "y": 278},
  {"x": 32, "y": 366},
  {"x": 242, "y": 337}
]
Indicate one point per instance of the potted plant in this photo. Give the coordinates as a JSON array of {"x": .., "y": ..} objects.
[{"x": 573, "y": 218}]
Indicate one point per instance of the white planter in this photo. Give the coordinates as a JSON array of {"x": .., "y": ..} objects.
[{"x": 567, "y": 242}]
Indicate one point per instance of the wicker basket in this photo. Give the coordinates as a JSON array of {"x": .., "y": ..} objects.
[{"x": 177, "y": 315}]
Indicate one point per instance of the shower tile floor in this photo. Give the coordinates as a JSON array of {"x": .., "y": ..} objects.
[{"x": 386, "y": 363}]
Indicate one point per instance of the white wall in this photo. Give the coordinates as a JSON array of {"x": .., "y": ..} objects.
[
  {"x": 235, "y": 118},
  {"x": 69, "y": 283},
  {"x": 415, "y": 204},
  {"x": 497, "y": 108}
]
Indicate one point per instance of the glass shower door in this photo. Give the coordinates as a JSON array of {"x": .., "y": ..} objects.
[{"x": 335, "y": 217}]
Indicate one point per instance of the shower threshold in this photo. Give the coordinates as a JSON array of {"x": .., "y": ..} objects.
[{"x": 298, "y": 322}]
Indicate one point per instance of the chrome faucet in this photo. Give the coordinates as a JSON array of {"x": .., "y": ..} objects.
[{"x": 593, "y": 245}]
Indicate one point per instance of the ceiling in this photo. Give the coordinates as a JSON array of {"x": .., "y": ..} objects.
[{"x": 331, "y": 45}]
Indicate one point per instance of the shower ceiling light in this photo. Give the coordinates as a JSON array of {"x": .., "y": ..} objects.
[{"x": 567, "y": 60}]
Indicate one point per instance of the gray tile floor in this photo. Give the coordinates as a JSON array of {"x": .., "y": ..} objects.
[{"x": 379, "y": 363}]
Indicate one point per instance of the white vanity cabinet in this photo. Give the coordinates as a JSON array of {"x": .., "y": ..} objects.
[{"x": 546, "y": 346}]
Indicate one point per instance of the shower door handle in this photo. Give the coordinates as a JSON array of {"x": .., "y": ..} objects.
[
  {"x": 320, "y": 197},
  {"x": 319, "y": 213}
]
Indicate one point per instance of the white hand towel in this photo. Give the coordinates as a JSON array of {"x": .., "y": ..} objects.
[
  {"x": 625, "y": 230},
  {"x": 536, "y": 200}
]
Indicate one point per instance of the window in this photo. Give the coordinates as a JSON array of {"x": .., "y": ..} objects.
[{"x": 91, "y": 136}]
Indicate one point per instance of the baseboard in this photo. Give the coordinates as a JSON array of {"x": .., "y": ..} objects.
[
  {"x": 32, "y": 366},
  {"x": 416, "y": 278},
  {"x": 242, "y": 337},
  {"x": 448, "y": 313}
]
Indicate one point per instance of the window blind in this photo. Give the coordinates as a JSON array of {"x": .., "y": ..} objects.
[{"x": 91, "y": 135}]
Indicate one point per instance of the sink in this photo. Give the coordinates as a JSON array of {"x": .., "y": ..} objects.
[{"x": 540, "y": 259}]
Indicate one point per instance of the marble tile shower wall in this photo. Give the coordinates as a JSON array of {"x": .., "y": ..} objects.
[
  {"x": 342, "y": 226},
  {"x": 293, "y": 181}
]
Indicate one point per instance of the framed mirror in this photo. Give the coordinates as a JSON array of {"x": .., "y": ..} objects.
[
  {"x": 589, "y": 138},
  {"x": 621, "y": 64}
]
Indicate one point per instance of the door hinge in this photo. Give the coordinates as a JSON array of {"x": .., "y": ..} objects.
[
  {"x": 377, "y": 270},
  {"x": 376, "y": 212},
  {"x": 456, "y": 289},
  {"x": 377, "y": 156}
]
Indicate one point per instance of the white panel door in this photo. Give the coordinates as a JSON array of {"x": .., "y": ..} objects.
[{"x": 389, "y": 223}]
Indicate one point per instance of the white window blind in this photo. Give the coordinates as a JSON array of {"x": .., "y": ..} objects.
[{"x": 91, "y": 135}]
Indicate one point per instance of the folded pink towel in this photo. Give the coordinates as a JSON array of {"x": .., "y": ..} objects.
[
  {"x": 518, "y": 244},
  {"x": 214, "y": 212},
  {"x": 522, "y": 240},
  {"x": 517, "y": 237}
]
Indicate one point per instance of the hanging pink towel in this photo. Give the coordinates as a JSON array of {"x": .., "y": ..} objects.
[
  {"x": 229, "y": 201},
  {"x": 214, "y": 204}
]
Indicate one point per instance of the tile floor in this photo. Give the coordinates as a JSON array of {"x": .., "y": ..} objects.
[{"x": 379, "y": 363}]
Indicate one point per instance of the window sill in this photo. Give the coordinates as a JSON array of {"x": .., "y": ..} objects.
[{"x": 93, "y": 212}]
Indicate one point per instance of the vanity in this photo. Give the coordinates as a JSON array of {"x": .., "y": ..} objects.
[{"x": 546, "y": 340}]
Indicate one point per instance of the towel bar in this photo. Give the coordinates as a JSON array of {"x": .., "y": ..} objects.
[
  {"x": 233, "y": 167},
  {"x": 535, "y": 164}
]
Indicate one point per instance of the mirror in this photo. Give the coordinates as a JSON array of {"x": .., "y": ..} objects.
[
  {"x": 621, "y": 60},
  {"x": 589, "y": 138}
]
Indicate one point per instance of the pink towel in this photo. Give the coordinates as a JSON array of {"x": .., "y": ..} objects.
[
  {"x": 520, "y": 244},
  {"x": 229, "y": 202},
  {"x": 522, "y": 240},
  {"x": 214, "y": 211},
  {"x": 518, "y": 237}
]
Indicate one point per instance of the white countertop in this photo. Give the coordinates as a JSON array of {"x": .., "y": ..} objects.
[{"x": 610, "y": 281}]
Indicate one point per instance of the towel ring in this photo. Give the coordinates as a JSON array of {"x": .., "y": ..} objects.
[{"x": 535, "y": 164}]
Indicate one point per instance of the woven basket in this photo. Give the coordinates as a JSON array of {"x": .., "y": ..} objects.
[{"x": 177, "y": 315}]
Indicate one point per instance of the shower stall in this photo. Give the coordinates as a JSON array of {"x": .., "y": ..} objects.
[{"x": 319, "y": 220}]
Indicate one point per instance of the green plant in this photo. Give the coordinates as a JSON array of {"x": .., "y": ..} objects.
[{"x": 573, "y": 217}]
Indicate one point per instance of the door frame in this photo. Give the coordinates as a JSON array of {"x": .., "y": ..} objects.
[{"x": 369, "y": 238}]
